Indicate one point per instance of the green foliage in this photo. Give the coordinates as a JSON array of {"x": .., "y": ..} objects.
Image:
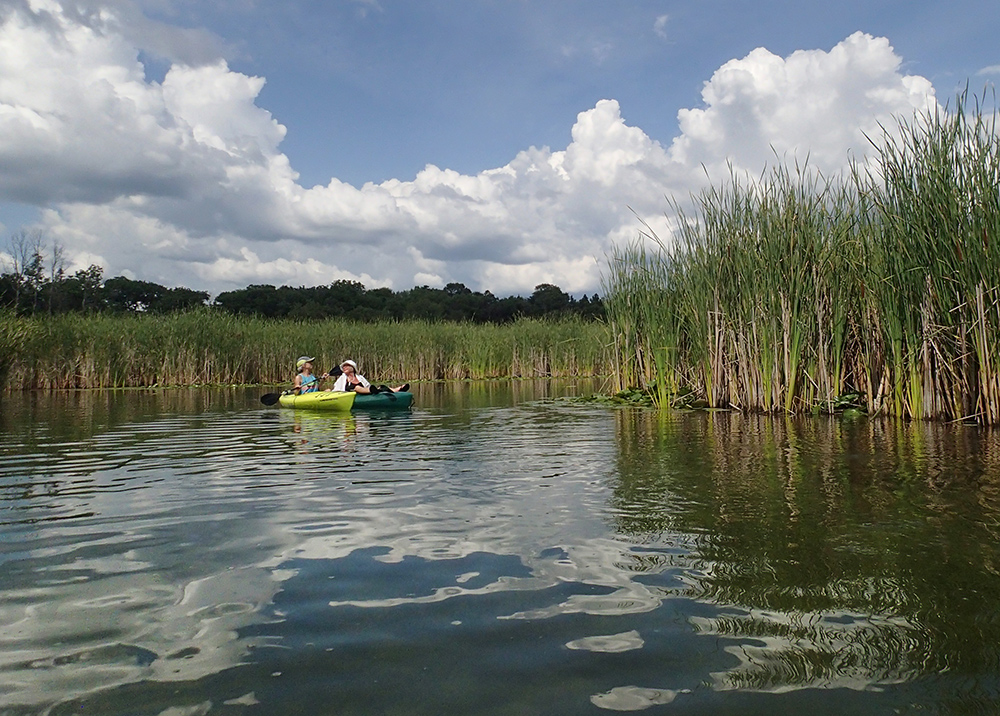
[
  {"x": 27, "y": 289},
  {"x": 122, "y": 294},
  {"x": 36, "y": 283},
  {"x": 792, "y": 291},
  {"x": 208, "y": 346},
  {"x": 454, "y": 302}
]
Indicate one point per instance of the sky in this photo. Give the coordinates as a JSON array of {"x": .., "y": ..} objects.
[{"x": 497, "y": 143}]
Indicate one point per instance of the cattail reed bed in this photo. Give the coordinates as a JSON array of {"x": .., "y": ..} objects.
[
  {"x": 790, "y": 291},
  {"x": 212, "y": 347}
]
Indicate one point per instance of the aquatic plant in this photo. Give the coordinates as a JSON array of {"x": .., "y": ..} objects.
[
  {"x": 787, "y": 291},
  {"x": 207, "y": 346}
]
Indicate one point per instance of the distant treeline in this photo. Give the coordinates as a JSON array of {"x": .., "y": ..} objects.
[
  {"x": 34, "y": 282},
  {"x": 454, "y": 302}
]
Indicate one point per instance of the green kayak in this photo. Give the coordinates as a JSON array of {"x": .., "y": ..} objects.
[{"x": 383, "y": 401}]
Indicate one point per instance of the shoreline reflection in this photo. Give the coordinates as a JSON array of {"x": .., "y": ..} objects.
[{"x": 850, "y": 554}]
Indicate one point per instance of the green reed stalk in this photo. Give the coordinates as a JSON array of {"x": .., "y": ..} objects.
[{"x": 938, "y": 207}]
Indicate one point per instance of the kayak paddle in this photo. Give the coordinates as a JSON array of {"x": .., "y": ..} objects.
[{"x": 270, "y": 398}]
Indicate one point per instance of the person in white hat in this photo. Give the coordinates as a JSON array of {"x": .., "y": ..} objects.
[{"x": 350, "y": 380}]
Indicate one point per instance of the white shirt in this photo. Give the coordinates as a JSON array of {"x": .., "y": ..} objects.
[{"x": 341, "y": 383}]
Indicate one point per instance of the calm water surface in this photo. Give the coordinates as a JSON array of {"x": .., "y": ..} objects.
[{"x": 496, "y": 550}]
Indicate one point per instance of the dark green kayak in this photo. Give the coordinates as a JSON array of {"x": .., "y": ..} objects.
[{"x": 383, "y": 401}]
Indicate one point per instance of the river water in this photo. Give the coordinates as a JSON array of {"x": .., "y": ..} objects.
[{"x": 499, "y": 549}]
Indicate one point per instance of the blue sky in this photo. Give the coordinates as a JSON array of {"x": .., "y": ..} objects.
[
  {"x": 379, "y": 90},
  {"x": 500, "y": 144}
]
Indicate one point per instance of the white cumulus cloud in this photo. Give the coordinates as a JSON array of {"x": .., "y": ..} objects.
[
  {"x": 183, "y": 181},
  {"x": 812, "y": 103}
]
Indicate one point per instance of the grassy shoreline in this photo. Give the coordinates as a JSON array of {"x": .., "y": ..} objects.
[
  {"x": 790, "y": 292},
  {"x": 210, "y": 347}
]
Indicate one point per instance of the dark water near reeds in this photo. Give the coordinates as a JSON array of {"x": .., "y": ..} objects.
[{"x": 495, "y": 551}]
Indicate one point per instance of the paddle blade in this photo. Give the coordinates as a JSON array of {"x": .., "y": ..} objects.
[{"x": 270, "y": 398}]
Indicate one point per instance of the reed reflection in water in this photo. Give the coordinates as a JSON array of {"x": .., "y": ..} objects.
[{"x": 852, "y": 554}]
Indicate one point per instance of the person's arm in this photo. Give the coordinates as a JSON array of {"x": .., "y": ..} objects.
[{"x": 298, "y": 384}]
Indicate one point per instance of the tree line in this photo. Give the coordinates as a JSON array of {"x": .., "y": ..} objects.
[{"x": 35, "y": 281}]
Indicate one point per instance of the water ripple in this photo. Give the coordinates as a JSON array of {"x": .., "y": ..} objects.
[{"x": 447, "y": 553}]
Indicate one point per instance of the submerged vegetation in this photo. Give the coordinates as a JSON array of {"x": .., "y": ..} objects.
[
  {"x": 207, "y": 346},
  {"x": 797, "y": 293}
]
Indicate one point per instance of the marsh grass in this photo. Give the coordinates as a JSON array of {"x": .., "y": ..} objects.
[
  {"x": 213, "y": 347},
  {"x": 786, "y": 292}
]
